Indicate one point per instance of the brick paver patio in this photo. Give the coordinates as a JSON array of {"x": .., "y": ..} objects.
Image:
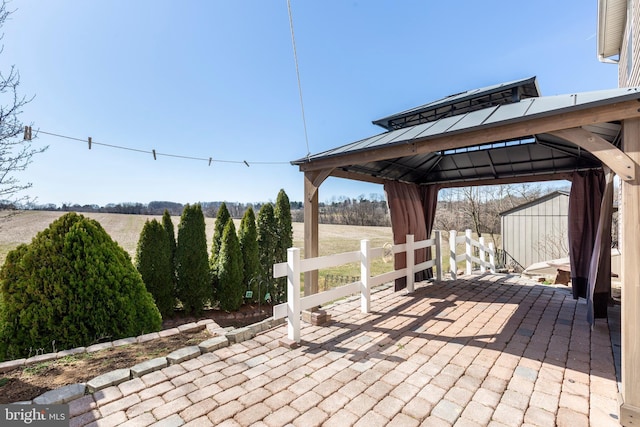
[{"x": 487, "y": 350}]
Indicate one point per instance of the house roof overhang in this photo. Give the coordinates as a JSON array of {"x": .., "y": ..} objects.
[
  {"x": 535, "y": 139},
  {"x": 612, "y": 18}
]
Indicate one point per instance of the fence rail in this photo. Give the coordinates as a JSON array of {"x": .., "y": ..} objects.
[{"x": 294, "y": 267}]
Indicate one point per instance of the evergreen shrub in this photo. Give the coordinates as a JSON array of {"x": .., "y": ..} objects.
[
  {"x": 71, "y": 286},
  {"x": 284, "y": 231},
  {"x": 155, "y": 264},
  {"x": 230, "y": 270},
  {"x": 248, "y": 236},
  {"x": 267, "y": 245},
  {"x": 167, "y": 224},
  {"x": 192, "y": 263},
  {"x": 222, "y": 216}
]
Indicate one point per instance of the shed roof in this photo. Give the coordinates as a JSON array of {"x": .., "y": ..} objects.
[
  {"x": 524, "y": 154},
  {"x": 552, "y": 195}
]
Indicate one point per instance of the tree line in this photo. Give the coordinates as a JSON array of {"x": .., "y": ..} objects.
[
  {"x": 209, "y": 209},
  {"x": 370, "y": 211},
  {"x": 475, "y": 208}
]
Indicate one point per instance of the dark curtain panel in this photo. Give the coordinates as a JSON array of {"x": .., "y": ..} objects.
[
  {"x": 429, "y": 197},
  {"x": 599, "y": 284},
  {"x": 584, "y": 211},
  {"x": 407, "y": 217}
]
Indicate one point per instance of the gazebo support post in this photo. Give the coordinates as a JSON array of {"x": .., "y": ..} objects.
[
  {"x": 312, "y": 181},
  {"x": 630, "y": 252}
]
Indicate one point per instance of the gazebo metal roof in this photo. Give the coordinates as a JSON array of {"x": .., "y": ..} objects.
[
  {"x": 463, "y": 102},
  {"x": 534, "y": 154}
]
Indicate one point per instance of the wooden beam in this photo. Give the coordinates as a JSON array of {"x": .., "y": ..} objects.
[
  {"x": 524, "y": 127},
  {"x": 556, "y": 176},
  {"x": 339, "y": 173},
  {"x": 630, "y": 275},
  {"x": 320, "y": 176},
  {"x": 606, "y": 152}
]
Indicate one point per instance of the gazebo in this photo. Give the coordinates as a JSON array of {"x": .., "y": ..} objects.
[{"x": 508, "y": 133}]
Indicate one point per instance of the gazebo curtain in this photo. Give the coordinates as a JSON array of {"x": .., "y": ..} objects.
[
  {"x": 412, "y": 209},
  {"x": 590, "y": 204},
  {"x": 429, "y": 197},
  {"x": 599, "y": 284}
]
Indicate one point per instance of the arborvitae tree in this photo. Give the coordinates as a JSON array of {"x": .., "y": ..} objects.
[
  {"x": 284, "y": 241},
  {"x": 192, "y": 264},
  {"x": 222, "y": 216},
  {"x": 155, "y": 264},
  {"x": 248, "y": 235},
  {"x": 230, "y": 270},
  {"x": 71, "y": 286},
  {"x": 221, "y": 221},
  {"x": 267, "y": 245},
  {"x": 167, "y": 224}
]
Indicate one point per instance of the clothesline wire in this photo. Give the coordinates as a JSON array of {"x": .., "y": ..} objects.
[{"x": 155, "y": 153}]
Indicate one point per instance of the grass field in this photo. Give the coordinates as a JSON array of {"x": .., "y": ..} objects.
[{"x": 21, "y": 227}]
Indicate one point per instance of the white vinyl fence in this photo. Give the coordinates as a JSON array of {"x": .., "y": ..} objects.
[
  {"x": 294, "y": 267},
  {"x": 468, "y": 255}
]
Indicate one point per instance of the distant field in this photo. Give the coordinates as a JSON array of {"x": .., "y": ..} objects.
[
  {"x": 21, "y": 227},
  {"x": 125, "y": 229}
]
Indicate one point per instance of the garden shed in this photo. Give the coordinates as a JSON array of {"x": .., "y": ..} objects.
[{"x": 536, "y": 231}]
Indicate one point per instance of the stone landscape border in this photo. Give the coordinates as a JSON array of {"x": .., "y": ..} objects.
[{"x": 222, "y": 338}]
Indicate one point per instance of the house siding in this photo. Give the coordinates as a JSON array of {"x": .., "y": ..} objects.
[{"x": 629, "y": 65}]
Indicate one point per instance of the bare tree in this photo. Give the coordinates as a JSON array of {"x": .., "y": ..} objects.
[
  {"x": 15, "y": 153},
  {"x": 473, "y": 207},
  {"x": 370, "y": 211},
  {"x": 479, "y": 208},
  {"x": 500, "y": 198}
]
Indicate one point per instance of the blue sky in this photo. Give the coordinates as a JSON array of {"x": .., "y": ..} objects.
[{"x": 217, "y": 79}]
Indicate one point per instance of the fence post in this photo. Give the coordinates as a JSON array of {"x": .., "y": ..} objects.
[
  {"x": 365, "y": 273},
  {"x": 492, "y": 258},
  {"x": 453, "y": 265},
  {"x": 482, "y": 255},
  {"x": 411, "y": 254},
  {"x": 438, "y": 255},
  {"x": 293, "y": 294},
  {"x": 467, "y": 240}
]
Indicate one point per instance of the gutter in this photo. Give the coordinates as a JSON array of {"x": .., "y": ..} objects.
[{"x": 606, "y": 60}]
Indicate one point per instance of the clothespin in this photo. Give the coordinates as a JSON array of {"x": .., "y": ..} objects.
[
  {"x": 27, "y": 133},
  {"x": 154, "y": 155},
  {"x": 245, "y": 162},
  {"x": 89, "y": 140},
  {"x": 210, "y": 159}
]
